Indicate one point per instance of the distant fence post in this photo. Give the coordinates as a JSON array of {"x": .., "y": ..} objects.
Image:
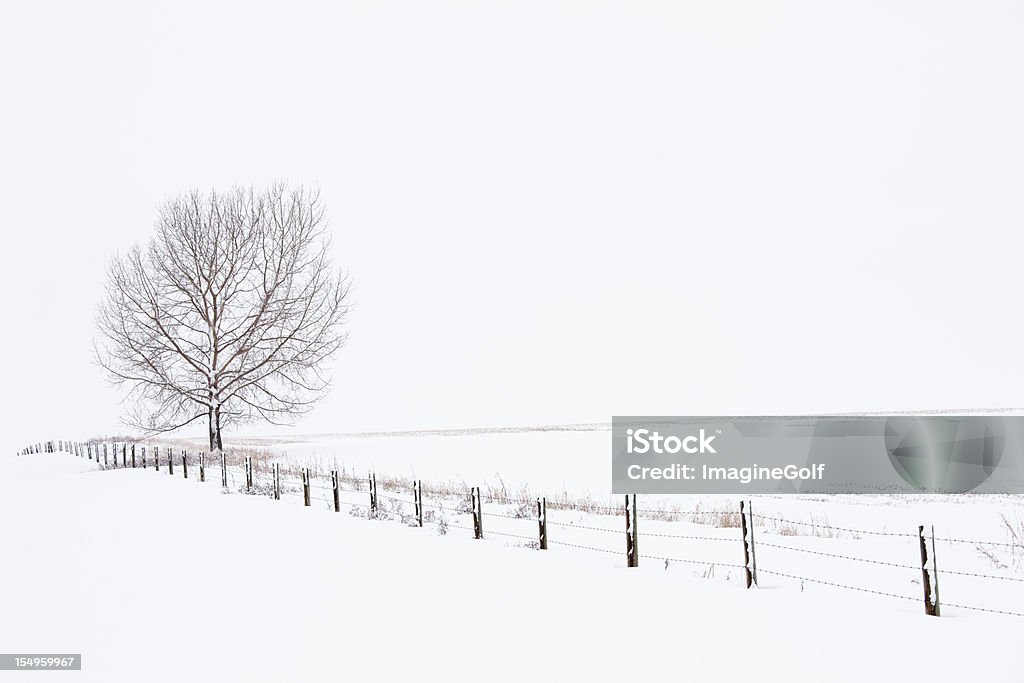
[
  {"x": 929, "y": 578},
  {"x": 170, "y": 460},
  {"x": 223, "y": 470},
  {"x": 277, "y": 481},
  {"x": 542, "y": 522},
  {"x": 373, "y": 492},
  {"x": 133, "y": 456},
  {"x": 104, "y": 455},
  {"x": 248, "y": 473},
  {"x": 90, "y": 451},
  {"x": 417, "y": 499},
  {"x": 305, "y": 486},
  {"x": 747, "y": 574},
  {"x": 143, "y": 457},
  {"x": 632, "y": 550},
  {"x": 156, "y": 458},
  {"x": 124, "y": 455},
  {"x": 336, "y": 485},
  {"x": 184, "y": 463},
  {"x": 478, "y": 513},
  {"x": 202, "y": 466}
]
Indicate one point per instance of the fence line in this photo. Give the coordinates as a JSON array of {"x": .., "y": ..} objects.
[{"x": 253, "y": 484}]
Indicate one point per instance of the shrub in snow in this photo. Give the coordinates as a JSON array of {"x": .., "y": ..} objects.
[
  {"x": 259, "y": 490},
  {"x": 379, "y": 513},
  {"x": 525, "y": 511},
  {"x": 1003, "y": 557},
  {"x": 367, "y": 513}
]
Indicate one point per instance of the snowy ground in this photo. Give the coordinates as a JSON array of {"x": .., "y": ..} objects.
[
  {"x": 578, "y": 462},
  {"x": 152, "y": 577}
]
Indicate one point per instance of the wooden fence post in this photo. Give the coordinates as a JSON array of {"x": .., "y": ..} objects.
[
  {"x": 184, "y": 463},
  {"x": 929, "y": 577},
  {"x": 223, "y": 470},
  {"x": 248, "y": 473},
  {"x": 417, "y": 498},
  {"x": 336, "y": 485},
  {"x": 542, "y": 522},
  {"x": 373, "y": 493},
  {"x": 90, "y": 451},
  {"x": 143, "y": 457},
  {"x": 133, "y": 456},
  {"x": 478, "y": 512},
  {"x": 747, "y": 573},
  {"x": 124, "y": 455},
  {"x": 277, "y": 481},
  {"x": 104, "y": 455},
  {"x": 156, "y": 458},
  {"x": 753, "y": 546},
  {"x": 170, "y": 461},
  {"x": 632, "y": 550},
  {"x": 305, "y": 486},
  {"x": 935, "y": 574},
  {"x": 202, "y": 466}
]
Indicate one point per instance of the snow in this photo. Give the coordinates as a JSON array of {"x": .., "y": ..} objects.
[
  {"x": 154, "y": 577},
  {"x": 577, "y": 462}
]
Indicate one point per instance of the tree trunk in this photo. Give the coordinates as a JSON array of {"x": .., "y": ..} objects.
[
  {"x": 212, "y": 430},
  {"x": 216, "y": 422}
]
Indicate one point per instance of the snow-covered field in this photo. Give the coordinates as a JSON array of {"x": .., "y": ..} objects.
[
  {"x": 152, "y": 577},
  {"x": 576, "y": 461}
]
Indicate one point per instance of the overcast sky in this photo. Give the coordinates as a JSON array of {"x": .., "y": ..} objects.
[{"x": 552, "y": 211}]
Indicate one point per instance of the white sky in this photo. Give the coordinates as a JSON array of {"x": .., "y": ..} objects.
[{"x": 553, "y": 211}]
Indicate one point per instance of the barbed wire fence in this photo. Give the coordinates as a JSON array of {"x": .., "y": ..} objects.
[{"x": 466, "y": 513}]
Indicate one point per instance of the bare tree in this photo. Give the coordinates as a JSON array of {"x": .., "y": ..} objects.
[{"x": 228, "y": 314}]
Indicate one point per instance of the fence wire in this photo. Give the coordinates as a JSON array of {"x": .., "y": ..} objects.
[{"x": 288, "y": 487}]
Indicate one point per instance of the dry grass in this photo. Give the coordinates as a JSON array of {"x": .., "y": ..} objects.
[
  {"x": 1007, "y": 557},
  {"x": 523, "y": 499},
  {"x": 818, "y": 526},
  {"x": 719, "y": 516}
]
